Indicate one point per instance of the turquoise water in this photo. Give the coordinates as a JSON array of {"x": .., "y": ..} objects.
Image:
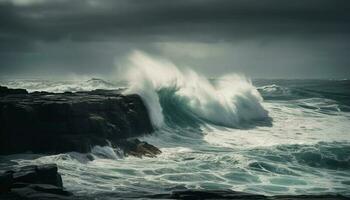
[{"x": 294, "y": 140}]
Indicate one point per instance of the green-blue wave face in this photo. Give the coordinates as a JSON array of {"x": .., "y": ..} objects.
[{"x": 301, "y": 147}]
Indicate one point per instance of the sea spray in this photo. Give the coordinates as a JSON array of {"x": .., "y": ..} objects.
[
  {"x": 306, "y": 151},
  {"x": 227, "y": 102}
]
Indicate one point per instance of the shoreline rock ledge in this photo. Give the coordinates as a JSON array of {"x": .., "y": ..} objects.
[
  {"x": 33, "y": 182},
  {"x": 43, "y": 122},
  {"x": 42, "y": 182}
]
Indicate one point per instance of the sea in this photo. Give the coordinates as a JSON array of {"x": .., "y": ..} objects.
[{"x": 262, "y": 136}]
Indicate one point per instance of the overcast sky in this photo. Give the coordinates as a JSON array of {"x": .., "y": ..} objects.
[{"x": 260, "y": 38}]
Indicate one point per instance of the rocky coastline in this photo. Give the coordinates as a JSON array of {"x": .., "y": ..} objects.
[
  {"x": 52, "y": 123},
  {"x": 33, "y": 182},
  {"x": 41, "y": 182}
]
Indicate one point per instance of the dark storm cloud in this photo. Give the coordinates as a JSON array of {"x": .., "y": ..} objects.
[
  {"x": 43, "y": 27},
  {"x": 157, "y": 19}
]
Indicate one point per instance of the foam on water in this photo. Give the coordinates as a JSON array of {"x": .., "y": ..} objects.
[
  {"x": 216, "y": 134},
  {"x": 106, "y": 152},
  {"x": 230, "y": 101},
  {"x": 292, "y": 124},
  {"x": 59, "y": 86}
]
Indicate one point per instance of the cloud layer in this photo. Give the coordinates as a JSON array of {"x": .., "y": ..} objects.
[{"x": 87, "y": 36}]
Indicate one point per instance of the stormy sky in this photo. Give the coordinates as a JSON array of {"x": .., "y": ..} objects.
[{"x": 259, "y": 38}]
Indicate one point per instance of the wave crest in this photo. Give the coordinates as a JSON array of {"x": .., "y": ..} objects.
[{"x": 227, "y": 101}]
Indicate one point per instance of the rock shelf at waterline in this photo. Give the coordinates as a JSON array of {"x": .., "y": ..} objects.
[
  {"x": 44, "y": 182},
  {"x": 43, "y": 122}
]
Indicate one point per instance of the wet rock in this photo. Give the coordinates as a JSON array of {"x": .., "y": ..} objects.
[
  {"x": 49, "y": 189},
  {"x": 7, "y": 91},
  {"x": 135, "y": 147},
  {"x": 90, "y": 157},
  {"x": 33, "y": 182},
  {"x": 6, "y": 180},
  {"x": 38, "y": 192},
  {"x": 44, "y": 174},
  {"x": 43, "y": 122},
  {"x": 49, "y": 175}
]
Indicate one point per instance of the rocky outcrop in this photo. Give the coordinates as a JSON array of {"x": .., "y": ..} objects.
[
  {"x": 6, "y": 91},
  {"x": 43, "y": 122},
  {"x": 44, "y": 182},
  {"x": 33, "y": 182},
  {"x": 139, "y": 148}
]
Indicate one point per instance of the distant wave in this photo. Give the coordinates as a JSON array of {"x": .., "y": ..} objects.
[
  {"x": 277, "y": 92},
  {"x": 274, "y": 91},
  {"x": 173, "y": 95},
  {"x": 61, "y": 86},
  {"x": 301, "y": 89},
  {"x": 314, "y": 97},
  {"x": 328, "y": 155}
]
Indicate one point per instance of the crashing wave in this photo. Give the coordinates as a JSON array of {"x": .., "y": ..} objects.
[{"x": 228, "y": 101}]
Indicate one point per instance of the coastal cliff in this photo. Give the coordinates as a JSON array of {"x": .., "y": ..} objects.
[{"x": 42, "y": 122}]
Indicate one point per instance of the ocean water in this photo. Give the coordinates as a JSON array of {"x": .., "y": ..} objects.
[{"x": 261, "y": 136}]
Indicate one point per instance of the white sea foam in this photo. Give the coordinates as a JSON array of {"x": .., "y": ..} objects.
[
  {"x": 230, "y": 101},
  {"x": 59, "y": 86},
  {"x": 305, "y": 151},
  {"x": 105, "y": 152}
]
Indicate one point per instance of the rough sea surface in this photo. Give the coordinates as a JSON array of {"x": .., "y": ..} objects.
[
  {"x": 262, "y": 136},
  {"x": 275, "y": 137}
]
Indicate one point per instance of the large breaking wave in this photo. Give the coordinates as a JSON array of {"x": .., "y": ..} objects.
[
  {"x": 171, "y": 94},
  {"x": 306, "y": 151}
]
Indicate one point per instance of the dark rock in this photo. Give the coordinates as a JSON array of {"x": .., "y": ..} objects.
[
  {"x": 49, "y": 189},
  {"x": 39, "y": 189},
  {"x": 25, "y": 176},
  {"x": 48, "y": 174},
  {"x": 38, "y": 192},
  {"x": 135, "y": 147},
  {"x": 43, "y": 122},
  {"x": 19, "y": 185},
  {"x": 33, "y": 182},
  {"x": 7, "y": 91},
  {"x": 6, "y": 180},
  {"x": 90, "y": 157},
  {"x": 42, "y": 174}
]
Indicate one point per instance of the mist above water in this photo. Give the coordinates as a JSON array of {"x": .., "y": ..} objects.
[
  {"x": 213, "y": 134},
  {"x": 230, "y": 100}
]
